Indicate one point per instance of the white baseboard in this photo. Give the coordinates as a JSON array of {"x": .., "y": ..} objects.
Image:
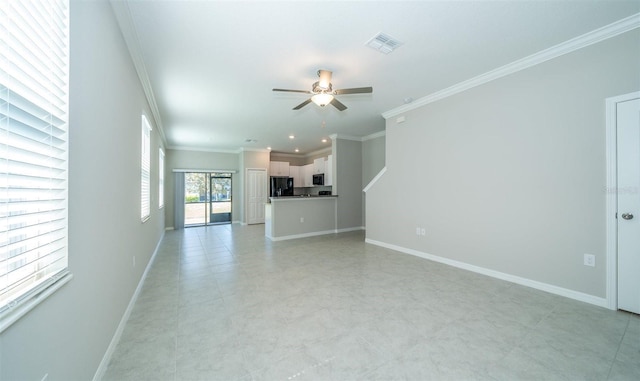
[
  {"x": 303, "y": 235},
  {"x": 600, "y": 302},
  {"x": 125, "y": 317},
  {"x": 345, "y": 230},
  {"x": 169, "y": 228},
  {"x": 313, "y": 234}
]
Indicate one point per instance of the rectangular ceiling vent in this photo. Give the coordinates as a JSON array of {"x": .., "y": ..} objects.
[{"x": 383, "y": 43}]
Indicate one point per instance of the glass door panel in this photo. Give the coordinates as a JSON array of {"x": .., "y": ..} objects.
[
  {"x": 207, "y": 198},
  {"x": 195, "y": 199},
  {"x": 220, "y": 198}
]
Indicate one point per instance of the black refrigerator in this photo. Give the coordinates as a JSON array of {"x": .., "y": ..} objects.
[{"x": 281, "y": 186}]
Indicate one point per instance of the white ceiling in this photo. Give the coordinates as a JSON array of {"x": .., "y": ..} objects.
[{"x": 211, "y": 65}]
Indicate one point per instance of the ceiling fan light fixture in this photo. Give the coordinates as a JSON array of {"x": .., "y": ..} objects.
[
  {"x": 322, "y": 99},
  {"x": 322, "y": 92}
]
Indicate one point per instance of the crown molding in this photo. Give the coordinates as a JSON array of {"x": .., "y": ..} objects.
[
  {"x": 590, "y": 38},
  {"x": 378, "y": 134},
  {"x": 183, "y": 148},
  {"x": 284, "y": 154},
  {"x": 374, "y": 135},
  {"x": 345, "y": 137},
  {"x": 319, "y": 152},
  {"x": 127, "y": 29},
  {"x": 200, "y": 170},
  {"x": 302, "y": 155},
  {"x": 244, "y": 149}
]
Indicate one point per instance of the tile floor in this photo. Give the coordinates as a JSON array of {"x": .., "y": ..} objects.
[{"x": 224, "y": 303}]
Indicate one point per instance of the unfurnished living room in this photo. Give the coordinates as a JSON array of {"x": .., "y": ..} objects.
[{"x": 320, "y": 190}]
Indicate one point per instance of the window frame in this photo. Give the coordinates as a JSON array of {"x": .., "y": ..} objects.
[
  {"x": 145, "y": 170},
  {"x": 34, "y": 146},
  {"x": 160, "y": 178}
]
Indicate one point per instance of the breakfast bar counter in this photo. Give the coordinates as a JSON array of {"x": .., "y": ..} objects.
[{"x": 292, "y": 217}]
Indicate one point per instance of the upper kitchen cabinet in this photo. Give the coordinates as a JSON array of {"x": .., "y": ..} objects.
[
  {"x": 307, "y": 174},
  {"x": 296, "y": 173},
  {"x": 279, "y": 168},
  {"x": 318, "y": 166}
]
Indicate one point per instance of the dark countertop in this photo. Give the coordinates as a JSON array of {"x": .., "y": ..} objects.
[{"x": 305, "y": 197}]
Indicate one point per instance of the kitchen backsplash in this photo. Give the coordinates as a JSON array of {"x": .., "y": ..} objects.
[{"x": 311, "y": 190}]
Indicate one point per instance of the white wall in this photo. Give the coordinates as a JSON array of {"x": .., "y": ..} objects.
[
  {"x": 510, "y": 176},
  {"x": 347, "y": 161},
  {"x": 67, "y": 335},
  {"x": 373, "y": 160}
]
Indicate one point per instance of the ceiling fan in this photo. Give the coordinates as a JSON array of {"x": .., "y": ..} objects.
[{"x": 323, "y": 93}]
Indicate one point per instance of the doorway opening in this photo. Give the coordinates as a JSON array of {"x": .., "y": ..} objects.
[{"x": 207, "y": 198}]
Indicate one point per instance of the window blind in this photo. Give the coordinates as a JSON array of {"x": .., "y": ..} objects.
[
  {"x": 34, "y": 67},
  {"x": 145, "y": 172},
  {"x": 160, "y": 178}
]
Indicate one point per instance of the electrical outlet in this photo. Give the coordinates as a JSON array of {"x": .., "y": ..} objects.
[
  {"x": 301, "y": 219},
  {"x": 590, "y": 260},
  {"x": 423, "y": 231},
  {"x": 417, "y": 231}
]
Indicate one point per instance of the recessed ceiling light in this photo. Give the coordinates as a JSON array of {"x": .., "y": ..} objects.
[
  {"x": 324, "y": 140},
  {"x": 291, "y": 137},
  {"x": 297, "y": 150},
  {"x": 269, "y": 148}
]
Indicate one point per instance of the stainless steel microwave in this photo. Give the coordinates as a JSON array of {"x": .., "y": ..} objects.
[{"x": 318, "y": 179}]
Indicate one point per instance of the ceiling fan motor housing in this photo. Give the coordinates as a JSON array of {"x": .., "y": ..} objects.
[
  {"x": 325, "y": 79},
  {"x": 316, "y": 88}
]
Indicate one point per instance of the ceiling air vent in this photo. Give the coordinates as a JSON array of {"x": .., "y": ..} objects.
[{"x": 383, "y": 43}]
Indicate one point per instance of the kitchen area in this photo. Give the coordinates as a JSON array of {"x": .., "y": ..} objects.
[{"x": 301, "y": 202}]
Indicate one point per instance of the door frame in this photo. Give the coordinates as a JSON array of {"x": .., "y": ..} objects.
[{"x": 612, "y": 196}]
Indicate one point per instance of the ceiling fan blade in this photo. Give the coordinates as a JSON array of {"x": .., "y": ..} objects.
[
  {"x": 301, "y": 105},
  {"x": 338, "y": 104},
  {"x": 293, "y": 91},
  {"x": 355, "y": 90}
]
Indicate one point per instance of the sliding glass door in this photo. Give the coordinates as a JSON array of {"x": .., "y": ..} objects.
[
  {"x": 207, "y": 198},
  {"x": 220, "y": 198}
]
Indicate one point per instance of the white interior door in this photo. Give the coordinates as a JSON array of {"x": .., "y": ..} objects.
[
  {"x": 256, "y": 195},
  {"x": 628, "y": 192}
]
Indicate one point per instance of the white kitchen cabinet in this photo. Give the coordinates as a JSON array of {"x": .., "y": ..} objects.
[
  {"x": 296, "y": 172},
  {"x": 328, "y": 171},
  {"x": 307, "y": 172},
  {"x": 318, "y": 166},
  {"x": 279, "y": 168}
]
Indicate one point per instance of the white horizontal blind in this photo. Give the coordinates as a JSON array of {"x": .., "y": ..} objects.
[
  {"x": 145, "y": 171},
  {"x": 160, "y": 179},
  {"x": 34, "y": 67}
]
